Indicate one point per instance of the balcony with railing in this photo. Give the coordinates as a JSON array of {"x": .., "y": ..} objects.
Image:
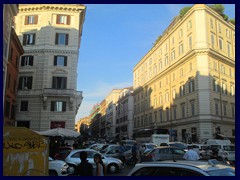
[{"x": 61, "y": 92}]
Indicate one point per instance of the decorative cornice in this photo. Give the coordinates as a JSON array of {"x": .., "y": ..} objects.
[
  {"x": 50, "y": 51},
  {"x": 51, "y": 7}
]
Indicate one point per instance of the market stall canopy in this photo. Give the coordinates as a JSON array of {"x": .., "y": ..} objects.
[{"x": 60, "y": 132}]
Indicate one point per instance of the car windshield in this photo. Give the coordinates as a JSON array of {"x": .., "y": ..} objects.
[
  {"x": 150, "y": 146},
  {"x": 179, "y": 145},
  {"x": 222, "y": 172},
  {"x": 104, "y": 150},
  {"x": 229, "y": 148}
]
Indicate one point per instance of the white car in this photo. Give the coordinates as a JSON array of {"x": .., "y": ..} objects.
[
  {"x": 182, "y": 168},
  {"x": 57, "y": 167},
  {"x": 112, "y": 165}
]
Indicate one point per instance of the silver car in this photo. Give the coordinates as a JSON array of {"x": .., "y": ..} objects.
[
  {"x": 113, "y": 165},
  {"x": 182, "y": 168}
]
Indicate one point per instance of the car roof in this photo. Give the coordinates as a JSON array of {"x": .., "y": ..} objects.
[{"x": 204, "y": 165}]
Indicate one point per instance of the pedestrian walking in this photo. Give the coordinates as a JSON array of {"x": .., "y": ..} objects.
[
  {"x": 84, "y": 168},
  {"x": 191, "y": 154},
  {"x": 121, "y": 155},
  {"x": 100, "y": 170},
  {"x": 135, "y": 153}
]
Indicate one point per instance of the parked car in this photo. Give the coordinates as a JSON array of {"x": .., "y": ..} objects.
[
  {"x": 182, "y": 168},
  {"x": 112, "y": 165},
  {"x": 148, "y": 147},
  {"x": 180, "y": 145},
  {"x": 163, "y": 153},
  {"x": 112, "y": 151},
  {"x": 58, "y": 167},
  {"x": 62, "y": 152}
]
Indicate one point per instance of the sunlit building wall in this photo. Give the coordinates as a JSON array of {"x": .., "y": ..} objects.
[
  {"x": 186, "y": 82},
  {"x": 47, "y": 86}
]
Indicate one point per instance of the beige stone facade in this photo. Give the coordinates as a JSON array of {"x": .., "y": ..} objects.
[
  {"x": 51, "y": 36},
  {"x": 186, "y": 82}
]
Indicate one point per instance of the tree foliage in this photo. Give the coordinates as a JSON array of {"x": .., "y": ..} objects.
[
  {"x": 232, "y": 21},
  {"x": 219, "y": 8},
  {"x": 184, "y": 10}
]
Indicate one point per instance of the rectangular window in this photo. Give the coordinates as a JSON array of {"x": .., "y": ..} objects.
[
  {"x": 193, "y": 108},
  {"x": 161, "y": 115},
  {"x": 183, "y": 110},
  {"x": 216, "y": 87},
  {"x": 191, "y": 86},
  {"x": 63, "y": 19},
  {"x": 59, "y": 82},
  {"x": 60, "y": 60},
  {"x": 167, "y": 114},
  {"x": 58, "y": 106},
  {"x": 174, "y": 113},
  {"x": 166, "y": 61},
  {"x": 211, "y": 23},
  {"x": 25, "y": 82},
  {"x": 224, "y": 88},
  {"x": 212, "y": 40},
  {"x": 190, "y": 42},
  {"x": 29, "y": 39},
  {"x": 180, "y": 49},
  {"x": 173, "y": 55},
  {"x": 224, "y": 109},
  {"x": 232, "y": 90},
  {"x": 182, "y": 90},
  {"x": 24, "y": 106},
  {"x": 32, "y": 19},
  {"x": 216, "y": 108},
  {"x": 27, "y": 61},
  {"x": 61, "y": 39},
  {"x": 220, "y": 44},
  {"x": 233, "y": 110},
  {"x": 229, "y": 49}
]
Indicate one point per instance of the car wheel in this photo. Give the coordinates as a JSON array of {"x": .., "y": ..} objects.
[
  {"x": 52, "y": 173},
  {"x": 113, "y": 168},
  {"x": 71, "y": 169}
]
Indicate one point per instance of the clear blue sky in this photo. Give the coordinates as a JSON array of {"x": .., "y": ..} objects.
[{"x": 115, "y": 37}]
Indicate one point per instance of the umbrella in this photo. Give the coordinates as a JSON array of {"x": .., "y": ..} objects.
[{"x": 60, "y": 132}]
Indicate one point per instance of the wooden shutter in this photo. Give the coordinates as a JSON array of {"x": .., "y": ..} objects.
[
  {"x": 20, "y": 83},
  {"x": 65, "y": 60},
  {"x": 66, "y": 40},
  {"x": 23, "y": 60},
  {"x": 34, "y": 35},
  {"x": 55, "y": 61},
  {"x": 64, "y": 83},
  {"x": 54, "y": 83},
  {"x": 52, "y": 105},
  {"x": 31, "y": 60},
  {"x": 26, "y": 20},
  {"x": 58, "y": 19},
  {"x": 64, "y": 106},
  {"x": 68, "y": 20},
  {"x": 29, "y": 83},
  {"x": 36, "y": 19},
  {"x": 56, "y": 38},
  {"x": 24, "y": 39}
]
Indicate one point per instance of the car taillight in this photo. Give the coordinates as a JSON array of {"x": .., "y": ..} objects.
[{"x": 150, "y": 156}]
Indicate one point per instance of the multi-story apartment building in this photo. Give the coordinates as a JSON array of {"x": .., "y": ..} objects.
[
  {"x": 111, "y": 100},
  {"x": 9, "y": 11},
  {"x": 15, "y": 51},
  {"x": 95, "y": 117},
  {"x": 51, "y": 36},
  {"x": 103, "y": 118},
  {"x": 186, "y": 82},
  {"x": 124, "y": 114}
]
